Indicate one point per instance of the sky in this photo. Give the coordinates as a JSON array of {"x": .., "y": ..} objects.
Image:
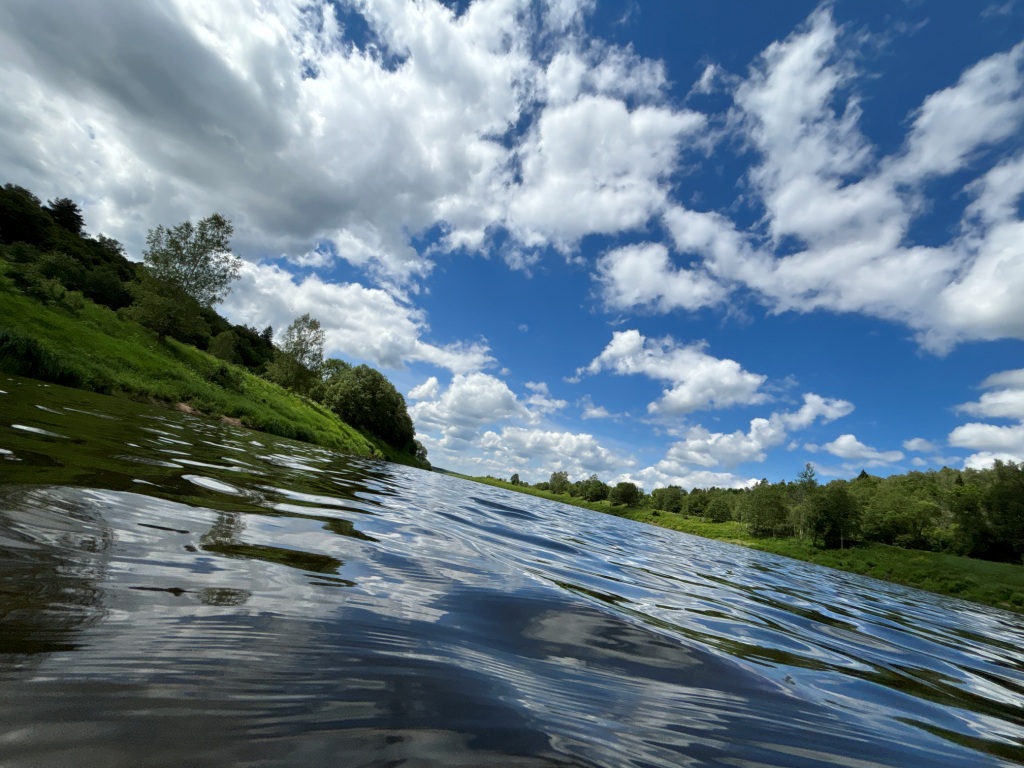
[{"x": 665, "y": 242}]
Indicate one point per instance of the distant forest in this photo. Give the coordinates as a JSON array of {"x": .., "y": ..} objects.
[
  {"x": 46, "y": 255},
  {"x": 973, "y": 512}
]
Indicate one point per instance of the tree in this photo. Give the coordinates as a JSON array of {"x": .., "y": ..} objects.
[
  {"x": 835, "y": 516},
  {"x": 803, "y": 492},
  {"x": 669, "y": 499},
  {"x": 167, "y": 311},
  {"x": 364, "y": 398},
  {"x": 514, "y": 480},
  {"x": 593, "y": 489},
  {"x": 195, "y": 258},
  {"x": 304, "y": 340},
  {"x": 559, "y": 482},
  {"x": 765, "y": 510},
  {"x": 66, "y": 213},
  {"x": 301, "y": 356},
  {"x": 719, "y": 509},
  {"x": 625, "y": 493}
]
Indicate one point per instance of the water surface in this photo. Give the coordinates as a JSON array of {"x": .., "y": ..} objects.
[{"x": 176, "y": 591}]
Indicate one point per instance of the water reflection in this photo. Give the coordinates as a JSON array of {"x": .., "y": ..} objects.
[{"x": 175, "y": 591}]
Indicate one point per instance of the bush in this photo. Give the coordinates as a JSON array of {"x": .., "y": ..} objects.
[{"x": 25, "y": 356}]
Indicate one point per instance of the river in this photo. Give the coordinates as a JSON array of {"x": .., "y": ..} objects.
[{"x": 175, "y": 591}]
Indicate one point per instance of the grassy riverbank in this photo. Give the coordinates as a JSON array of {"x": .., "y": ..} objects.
[
  {"x": 95, "y": 350},
  {"x": 996, "y": 584}
]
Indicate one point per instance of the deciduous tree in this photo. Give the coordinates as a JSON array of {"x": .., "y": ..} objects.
[{"x": 196, "y": 258}]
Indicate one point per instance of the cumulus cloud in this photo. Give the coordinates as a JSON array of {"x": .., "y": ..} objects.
[
  {"x": 644, "y": 276},
  {"x": 703, "y": 448},
  {"x": 591, "y": 411},
  {"x": 479, "y": 425},
  {"x": 849, "y": 447},
  {"x": 426, "y": 391},
  {"x": 541, "y": 402},
  {"x": 358, "y": 322},
  {"x": 698, "y": 380},
  {"x": 539, "y": 450},
  {"x": 470, "y": 402},
  {"x": 305, "y": 134},
  {"x": 919, "y": 445},
  {"x": 594, "y": 166},
  {"x": 994, "y": 441},
  {"x": 837, "y": 223}
]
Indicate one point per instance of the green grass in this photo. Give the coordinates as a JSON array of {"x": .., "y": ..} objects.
[
  {"x": 95, "y": 350},
  {"x": 996, "y": 584}
]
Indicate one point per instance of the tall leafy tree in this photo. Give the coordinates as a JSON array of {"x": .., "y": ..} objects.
[
  {"x": 66, "y": 213},
  {"x": 765, "y": 510},
  {"x": 835, "y": 516},
  {"x": 364, "y": 398},
  {"x": 625, "y": 493},
  {"x": 300, "y": 358},
  {"x": 559, "y": 482},
  {"x": 304, "y": 340},
  {"x": 196, "y": 258}
]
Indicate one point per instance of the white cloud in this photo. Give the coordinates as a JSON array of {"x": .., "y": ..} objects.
[
  {"x": 992, "y": 441},
  {"x": 426, "y": 391},
  {"x": 668, "y": 472},
  {"x": 594, "y": 166},
  {"x": 849, "y": 447},
  {"x": 698, "y": 380},
  {"x": 702, "y": 448},
  {"x": 644, "y": 276},
  {"x": 985, "y": 107},
  {"x": 540, "y": 452},
  {"x": 815, "y": 407},
  {"x": 275, "y": 118},
  {"x": 359, "y": 322},
  {"x": 591, "y": 411},
  {"x": 919, "y": 445},
  {"x": 470, "y": 402},
  {"x": 541, "y": 403},
  {"x": 1008, "y": 440},
  {"x": 835, "y": 234}
]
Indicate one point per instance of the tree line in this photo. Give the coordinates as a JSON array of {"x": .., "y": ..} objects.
[
  {"x": 973, "y": 512},
  {"x": 186, "y": 270}
]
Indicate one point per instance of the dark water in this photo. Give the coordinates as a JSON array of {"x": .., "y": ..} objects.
[{"x": 175, "y": 592}]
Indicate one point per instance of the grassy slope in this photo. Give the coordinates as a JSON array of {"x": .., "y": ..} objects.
[
  {"x": 997, "y": 584},
  {"x": 98, "y": 351}
]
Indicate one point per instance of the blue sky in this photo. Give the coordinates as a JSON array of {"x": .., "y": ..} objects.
[{"x": 671, "y": 242}]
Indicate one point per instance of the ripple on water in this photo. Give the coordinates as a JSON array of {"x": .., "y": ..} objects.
[{"x": 289, "y": 606}]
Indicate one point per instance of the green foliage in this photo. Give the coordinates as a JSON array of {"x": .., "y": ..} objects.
[
  {"x": 668, "y": 499},
  {"x": 23, "y": 218},
  {"x": 625, "y": 494},
  {"x": 197, "y": 259},
  {"x": 720, "y": 509},
  {"x": 298, "y": 363},
  {"x": 168, "y": 311},
  {"x": 834, "y": 516},
  {"x": 765, "y": 510},
  {"x": 364, "y": 398},
  {"x": 66, "y": 213},
  {"x": 24, "y": 355},
  {"x": 225, "y": 346},
  {"x": 559, "y": 482},
  {"x": 304, "y": 340},
  {"x": 591, "y": 489},
  {"x": 98, "y": 351}
]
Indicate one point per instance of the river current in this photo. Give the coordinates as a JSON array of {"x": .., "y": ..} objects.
[{"x": 175, "y": 591}]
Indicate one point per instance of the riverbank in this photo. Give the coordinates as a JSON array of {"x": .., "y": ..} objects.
[
  {"x": 95, "y": 350},
  {"x": 1000, "y": 585}
]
